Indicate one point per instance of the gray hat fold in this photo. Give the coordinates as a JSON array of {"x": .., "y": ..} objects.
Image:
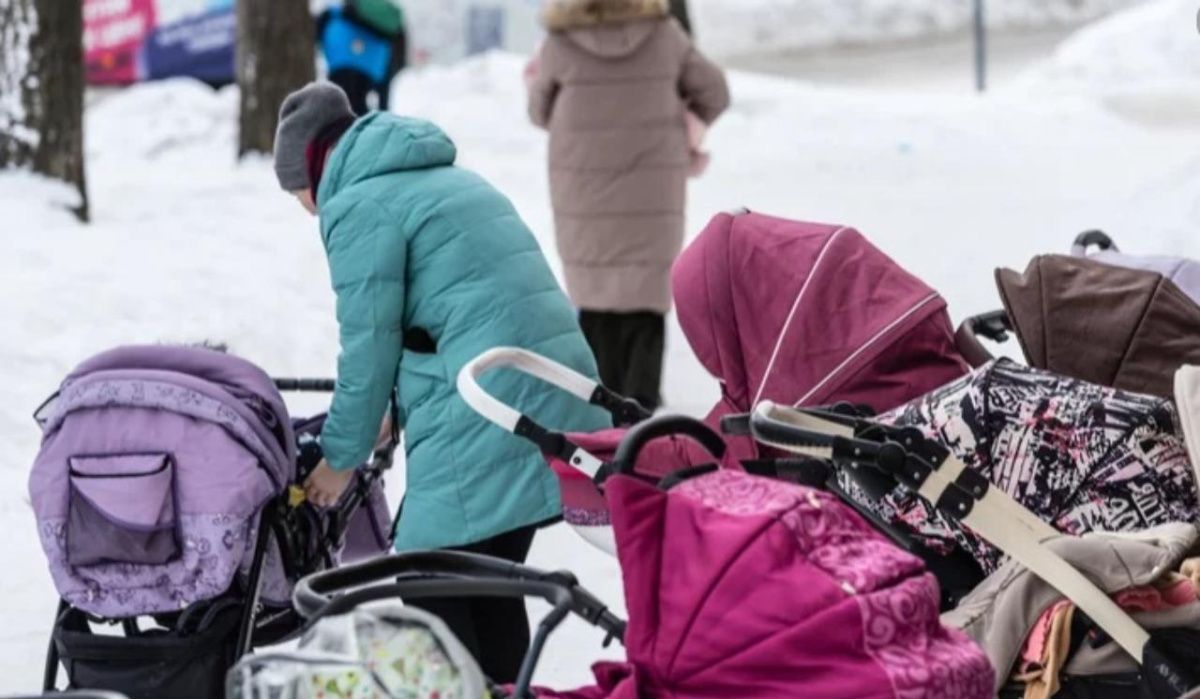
[{"x": 304, "y": 114}]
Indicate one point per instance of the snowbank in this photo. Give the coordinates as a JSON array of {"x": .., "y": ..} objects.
[
  {"x": 732, "y": 27},
  {"x": 1151, "y": 45}
]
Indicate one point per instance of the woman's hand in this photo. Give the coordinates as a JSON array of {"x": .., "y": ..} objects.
[{"x": 325, "y": 485}]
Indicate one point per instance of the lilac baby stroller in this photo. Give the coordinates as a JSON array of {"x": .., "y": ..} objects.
[{"x": 167, "y": 505}]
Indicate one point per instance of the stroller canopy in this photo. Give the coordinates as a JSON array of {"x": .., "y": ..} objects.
[
  {"x": 1113, "y": 326},
  {"x": 739, "y": 586},
  {"x": 805, "y": 313},
  {"x": 1184, "y": 272},
  {"x": 153, "y": 471},
  {"x": 241, "y": 378}
]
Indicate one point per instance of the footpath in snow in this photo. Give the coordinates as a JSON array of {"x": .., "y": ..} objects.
[{"x": 186, "y": 245}]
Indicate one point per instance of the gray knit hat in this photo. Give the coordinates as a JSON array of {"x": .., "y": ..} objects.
[{"x": 304, "y": 114}]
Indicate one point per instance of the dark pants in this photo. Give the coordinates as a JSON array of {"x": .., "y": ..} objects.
[
  {"x": 495, "y": 631},
  {"x": 357, "y": 86},
  {"x": 629, "y": 352}
]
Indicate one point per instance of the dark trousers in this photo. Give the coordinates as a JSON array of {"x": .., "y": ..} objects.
[
  {"x": 495, "y": 631},
  {"x": 629, "y": 352},
  {"x": 357, "y": 86}
]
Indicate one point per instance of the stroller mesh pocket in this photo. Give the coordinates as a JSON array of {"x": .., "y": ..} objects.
[{"x": 122, "y": 510}]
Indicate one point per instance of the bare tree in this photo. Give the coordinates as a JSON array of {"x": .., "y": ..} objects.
[
  {"x": 275, "y": 56},
  {"x": 41, "y": 90}
]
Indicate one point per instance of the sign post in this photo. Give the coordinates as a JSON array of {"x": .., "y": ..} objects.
[{"x": 980, "y": 47}]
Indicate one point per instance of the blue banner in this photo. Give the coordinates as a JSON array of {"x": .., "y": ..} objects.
[{"x": 201, "y": 47}]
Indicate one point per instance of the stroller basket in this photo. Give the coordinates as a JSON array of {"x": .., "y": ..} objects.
[{"x": 328, "y": 595}]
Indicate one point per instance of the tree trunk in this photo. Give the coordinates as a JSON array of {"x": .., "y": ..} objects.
[
  {"x": 275, "y": 56},
  {"x": 41, "y": 90}
]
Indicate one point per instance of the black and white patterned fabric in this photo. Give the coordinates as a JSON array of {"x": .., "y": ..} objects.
[{"x": 1082, "y": 457}]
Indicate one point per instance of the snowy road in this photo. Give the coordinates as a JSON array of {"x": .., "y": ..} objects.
[
  {"x": 186, "y": 245},
  {"x": 944, "y": 64}
]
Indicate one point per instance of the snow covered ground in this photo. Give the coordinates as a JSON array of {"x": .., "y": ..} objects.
[
  {"x": 186, "y": 245},
  {"x": 739, "y": 27}
]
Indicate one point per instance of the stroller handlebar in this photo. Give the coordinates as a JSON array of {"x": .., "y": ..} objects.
[
  {"x": 994, "y": 325},
  {"x": 456, "y": 574},
  {"x": 305, "y": 385},
  {"x": 526, "y": 362},
  {"x": 624, "y": 411},
  {"x": 1096, "y": 238}
]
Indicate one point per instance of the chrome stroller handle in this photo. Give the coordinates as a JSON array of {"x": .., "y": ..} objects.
[{"x": 455, "y": 574}]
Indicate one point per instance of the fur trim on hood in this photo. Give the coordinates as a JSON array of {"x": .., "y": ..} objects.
[{"x": 562, "y": 15}]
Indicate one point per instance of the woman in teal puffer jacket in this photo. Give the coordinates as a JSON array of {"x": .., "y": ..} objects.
[{"x": 432, "y": 266}]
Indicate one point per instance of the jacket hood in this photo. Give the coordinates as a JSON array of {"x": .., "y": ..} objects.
[
  {"x": 381, "y": 143},
  {"x": 562, "y": 15},
  {"x": 801, "y": 312},
  {"x": 1113, "y": 326},
  {"x": 613, "y": 41}
]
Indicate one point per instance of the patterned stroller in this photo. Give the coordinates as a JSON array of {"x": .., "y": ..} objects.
[
  {"x": 166, "y": 502},
  {"x": 1168, "y": 659}
]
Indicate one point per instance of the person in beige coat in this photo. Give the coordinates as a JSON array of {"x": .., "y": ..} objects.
[{"x": 615, "y": 83}]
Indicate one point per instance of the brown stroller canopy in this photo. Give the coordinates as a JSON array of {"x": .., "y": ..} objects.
[{"x": 1126, "y": 328}]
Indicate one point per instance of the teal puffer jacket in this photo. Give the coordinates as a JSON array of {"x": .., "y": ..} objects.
[{"x": 417, "y": 243}]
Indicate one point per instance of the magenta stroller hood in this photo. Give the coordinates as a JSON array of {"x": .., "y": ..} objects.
[
  {"x": 748, "y": 588},
  {"x": 807, "y": 313},
  {"x": 155, "y": 464}
]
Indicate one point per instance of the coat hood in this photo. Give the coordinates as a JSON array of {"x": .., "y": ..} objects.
[
  {"x": 1113, "y": 326},
  {"x": 613, "y": 41},
  {"x": 381, "y": 143},
  {"x": 801, "y": 313},
  {"x": 562, "y": 15}
]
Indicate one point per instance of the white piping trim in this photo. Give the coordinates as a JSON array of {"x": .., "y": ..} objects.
[
  {"x": 858, "y": 352},
  {"x": 792, "y": 314}
]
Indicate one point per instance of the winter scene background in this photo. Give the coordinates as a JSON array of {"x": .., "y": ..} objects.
[{"x": 843, "y": 112}]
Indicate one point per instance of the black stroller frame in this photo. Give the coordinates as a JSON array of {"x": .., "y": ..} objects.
[
  {"x": 279, "y": 521},
  {"x": 443, "y": 574}
]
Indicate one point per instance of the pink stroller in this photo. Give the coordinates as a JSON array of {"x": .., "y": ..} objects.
[
  {"x": 755, "y": 295},
  {"x": 737, "y": 587}
]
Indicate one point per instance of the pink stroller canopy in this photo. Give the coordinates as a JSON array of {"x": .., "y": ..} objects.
[
  {"x": 806, "y": 313},
  {"x": 739, "y": 586}
]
